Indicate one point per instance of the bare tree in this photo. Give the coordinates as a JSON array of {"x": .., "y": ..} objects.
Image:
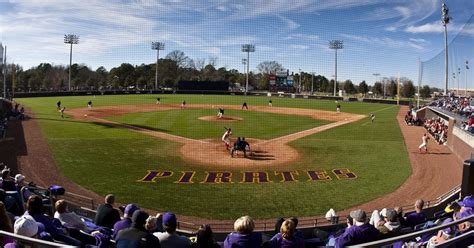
[
  {"x": 269, "y": 67},
  {"x": 180, "y": 58}
]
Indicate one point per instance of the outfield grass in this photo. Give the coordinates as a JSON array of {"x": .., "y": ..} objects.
[
  {"x": 186, "y": 123},
  {"x": 105, "y": 160}
]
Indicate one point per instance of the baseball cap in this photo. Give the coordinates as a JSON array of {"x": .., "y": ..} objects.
[
  {"x": 139, "y": 218},
  {"x": 19, "y": 178},
  {"x": 169, "y": 219},
  {"x": 359, "y": 215},
  {"x": 130, "y": 209},
  {"x": 26, "y": 226},
  {"x": 467, "y": 202}
]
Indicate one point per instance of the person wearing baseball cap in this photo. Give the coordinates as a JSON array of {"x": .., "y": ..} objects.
[
  {"x": 137, "y": 236},
  {"x": 126, "y": 222},
  {"x": 26, "y": 226},
  {"x": 169, "y": 238},
  {"x": 360, "y": 232}
]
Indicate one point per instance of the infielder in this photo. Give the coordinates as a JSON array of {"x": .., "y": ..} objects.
[
  {"x": 226, "y": 137},
  {"x": 62, "y": 112},
  {"x": 89, "y": 104},
  {"x": 424, "y": 144},
  {"x": 244, "y": 105},
  {"x": 158, "y": 100},
  {"x": 270, "y": 103},
  {"x": 220, "y": 113},
  {"x": 372, "y": 117}
]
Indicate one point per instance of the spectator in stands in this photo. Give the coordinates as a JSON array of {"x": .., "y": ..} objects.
[
  {"x": 297, "y": 232},
  {"x": 8, "y": 184},
  {"x": 205, "y": 238},
  {"x": 5, "y": 224},
  {"x": 58, "y": 232},
  {"x": 137, "y": 236},
  {"x": 360, "y": 232},
  {"x": 169, "y": 238},
  {"x": 25, "y": 226},
  {"x": 151, "y": 224},
  {"x": 418, "y": 216},
  {"x": 390, "y": 226},
  {"x": 243, "y": 235},
  {"x": 399, "y": 211},
  {"x": 107, "y": 215},
  {"x": 22, "y": 187},
  {"x": 69, "y": 219},
  {"x": 287, "y": 237},
  {"x": 126, "y": 222},
  {"x": 10, "y": 204}
]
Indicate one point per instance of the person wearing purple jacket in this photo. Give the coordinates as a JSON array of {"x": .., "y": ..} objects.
[
  {"x": 243, "y": 237},
  {"x": 418, "y": 216},
  {"x": 360, "y": 232},
  {"x": 288, "y": 237},
  {"x": 126, "y": 222}
]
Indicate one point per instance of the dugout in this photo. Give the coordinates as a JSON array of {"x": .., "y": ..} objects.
[
  {"x": 6, "y": 106},
  {"x": 203, "y": 86}
]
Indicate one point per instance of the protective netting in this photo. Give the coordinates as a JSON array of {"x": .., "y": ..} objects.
[{"x": 460, "y": 61}]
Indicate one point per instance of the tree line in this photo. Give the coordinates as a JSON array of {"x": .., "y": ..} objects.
[{"x": 177, "y": 66}]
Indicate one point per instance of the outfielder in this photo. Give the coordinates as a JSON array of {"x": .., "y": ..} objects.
[
  {"x": 226, "y": 137},
  {"x": 424, "y": 144}
]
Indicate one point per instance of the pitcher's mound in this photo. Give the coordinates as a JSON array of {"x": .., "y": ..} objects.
[{"x": 224, "y": 118}]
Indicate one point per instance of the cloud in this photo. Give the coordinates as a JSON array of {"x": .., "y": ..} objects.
[
  {"x": 299, "y": 47},
  {"x": 437, "y": 27},
  {"x": 301, "y": 36},
  {"x": 418, "y": 40},
  {"x": 290, "y": 24},
  {"x": 385, "y": 41}
]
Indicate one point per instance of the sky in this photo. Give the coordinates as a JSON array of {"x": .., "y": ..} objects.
[{"x": 380, "y": 36}]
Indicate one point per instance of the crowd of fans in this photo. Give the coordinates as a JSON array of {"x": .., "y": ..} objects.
[
  {"x": 438, "y": 129},
  {"x": 460, "y": 106},
  {"x": 26, "y": 211}
]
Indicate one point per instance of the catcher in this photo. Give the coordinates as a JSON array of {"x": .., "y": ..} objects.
[{"x": 240, "y": 145}]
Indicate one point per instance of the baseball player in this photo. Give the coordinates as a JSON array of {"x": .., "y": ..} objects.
[
  {"x": 226, "y": 137},
  {"x": 244, "y": 105},
  {"x": 424, "y": 144},
  {"x": 220, "y": 113},
  {"x": 270, "y": 103},
  {"x": 58, "y": 104},
  {"x": 338, "y": 107},
  {"x": 183, "y": 104},
  {"x": 62, "y": 112},
  {"x": 89, "y": 104},
  {"x": 372, "y": 117},
  {"x": 158, "y": 100}
]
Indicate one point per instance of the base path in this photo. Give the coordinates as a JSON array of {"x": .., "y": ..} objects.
[{"x": 211, "y": 152}]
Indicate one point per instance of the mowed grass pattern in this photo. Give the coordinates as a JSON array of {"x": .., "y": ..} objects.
[
  {"x": 186, "y": 123},
  {"x": 105, "y": 160}
]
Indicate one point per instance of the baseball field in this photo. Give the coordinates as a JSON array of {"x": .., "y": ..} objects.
[{"x": 304, "y": 159}]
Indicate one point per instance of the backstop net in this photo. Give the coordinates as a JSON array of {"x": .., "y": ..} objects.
[{"x": 460, "y": 63}]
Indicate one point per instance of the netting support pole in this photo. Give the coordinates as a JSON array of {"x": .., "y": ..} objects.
[
  {"x": 420, "y": 70},
  {"x": 445, "y": 59}
]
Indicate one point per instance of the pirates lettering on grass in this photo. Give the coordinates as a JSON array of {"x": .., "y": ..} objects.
[
  {"x": 225, "y": 177},
  {"x": 218, "y": 177},
  {"x": 287, "y": 176},
  {"x": 255, "y": 177},
  {"x": 152, "y": 175},
  {"x": 319, "y": 175},
  {"x": 344, "y": 174}
]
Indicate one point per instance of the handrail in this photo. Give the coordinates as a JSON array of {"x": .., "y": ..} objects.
[
  {"x": 450, "y": 242},
  {"x": 388, "y": 241},
  {"x": 32, "y": 241}
]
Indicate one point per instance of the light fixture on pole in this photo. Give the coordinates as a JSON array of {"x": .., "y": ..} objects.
[
  {"x": 445, "y": 20},
  {"x": 155, "y": 45},
  {"x": 376, "y": 76},
  {"x": 70, "y": 39},
  {"x": 248, "y": 48},
  {"x": 336, "y": 44},
  {"x": 465, "y": 75},
  {"x": 244, "y": 62}
]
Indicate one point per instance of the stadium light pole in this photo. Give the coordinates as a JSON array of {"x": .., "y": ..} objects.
[
  {"x": 70, "y": 39},
  {"x": 376, "y": 76},
  {"x": 336, "y": 44},
  {"x": 248, "y": 48},
  {"x": 465, "y": 75},
  {"x": 155, "y": 45},
  {"x": 312, "y": 83},
  {"x": 4, "y": 63},
  {"x": 445, "y": 20},
  {"x": 244, "y": 62},
  {"x": 299, "y": 85},
  {"x": 459, "y": 74},
  {"x": 454, "y": 78}
]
